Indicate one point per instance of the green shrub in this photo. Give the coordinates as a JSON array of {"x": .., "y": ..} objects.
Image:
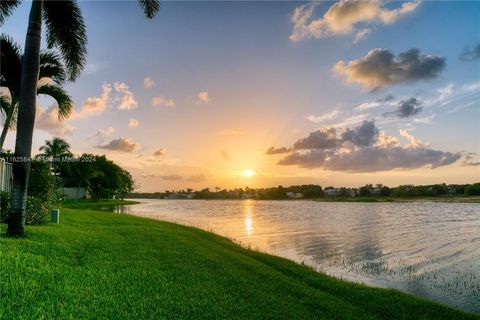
[
  {"x": 41, "y": 188},
  {"x": 41, "y": 183},
  {"x": 5, "y": 198},
  {"x": 37, "y": 211}
]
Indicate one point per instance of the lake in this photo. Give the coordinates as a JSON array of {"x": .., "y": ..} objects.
[{"x": 428, "y": 249}]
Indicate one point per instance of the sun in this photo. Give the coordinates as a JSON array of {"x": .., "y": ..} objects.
[{"x": 248, "y": 173}]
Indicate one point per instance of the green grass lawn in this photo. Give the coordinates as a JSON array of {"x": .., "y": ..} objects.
[
  {"x": 98, "y": 265},
  {"x": 95, "y": 205}
]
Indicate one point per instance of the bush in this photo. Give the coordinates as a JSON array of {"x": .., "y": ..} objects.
[
  {"x": 41, "y": 188},
  {"x": 5, "y": 198},
  {"x": 41, "y": 183},
  {"x": 37, "y": 211}
]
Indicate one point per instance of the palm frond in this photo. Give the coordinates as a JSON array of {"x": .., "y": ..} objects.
[
  {"x": 5, "y": 104},
  {"x": 150, "y": 7},
  {"x": 66, "y": 30},
  {"x": 51, "y": 66},
  {"x": 10, "y": 64},
  {"x": 6, "y": 9},
  {"x": 64, "y": 101}
]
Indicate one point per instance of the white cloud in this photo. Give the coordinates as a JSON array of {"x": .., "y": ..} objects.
[
  {"x": 413, "y": 141},
  {"x": 350, "y": 121},
  {"x": 203, "y": 97},
  {"x": 102, "y": 134},
  {"x": 386, "y": 141},
  {"x": 324, "y": 117},
  {"x": 362, "y": 35},
  {"x": 125, "y": 97},
  {"x": 48, "y": 121},
  {"x": 343, "y": 17},
  {"x": 162, "y": 102},
  {"x": 133, "y": 123},
  {"x": 91, "y": 68},
  {"x": 148, "y": 83},
  {"x": 117, "y": 94},
  {"x": 368, "y": 105},
  {"x": 93, "y": 106},
  {"x": 121, "y": 144}
]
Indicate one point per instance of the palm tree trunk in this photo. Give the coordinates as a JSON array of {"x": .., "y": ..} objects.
[
  {"x": 6, "y": 125},
  {"x": 26, "y": 120}
]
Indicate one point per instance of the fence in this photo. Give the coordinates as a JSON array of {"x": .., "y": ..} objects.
[{"x": 6, "y": 176}]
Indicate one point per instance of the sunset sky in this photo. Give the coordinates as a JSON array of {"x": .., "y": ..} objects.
[{"x": 235, "y": 94}]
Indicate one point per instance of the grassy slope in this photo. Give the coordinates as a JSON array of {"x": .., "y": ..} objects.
[{"x": 103, "y": 266}]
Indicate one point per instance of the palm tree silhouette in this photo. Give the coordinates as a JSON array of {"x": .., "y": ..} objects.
[
  {"x": 56, "y": 148},
  {"x": 51, "y": 78},
  {"x": 66, "y": 31}
]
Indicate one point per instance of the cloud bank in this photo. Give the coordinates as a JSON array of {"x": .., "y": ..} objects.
[
  {"x": 381, "y": 68},
  {"x": 362, "y": 149},
  {"x": 117, "y": 94},
  {"x": 345, "y": 17}
]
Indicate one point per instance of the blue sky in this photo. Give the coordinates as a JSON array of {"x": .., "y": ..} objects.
[{"x": 262, "y": 86}]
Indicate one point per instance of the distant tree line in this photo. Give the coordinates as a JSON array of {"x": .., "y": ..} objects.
[{"x": 311, "y": 191}]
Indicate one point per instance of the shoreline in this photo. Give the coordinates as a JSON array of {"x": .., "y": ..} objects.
[{"x": 472, "y": 199}]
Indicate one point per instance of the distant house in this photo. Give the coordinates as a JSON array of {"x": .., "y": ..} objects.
[
  {"x": 249, "y": 196},
  {"x": 6, "y": 176},
  {"x": 352, "y": 192},
  {"x": 340, "y": 192},
  {"x": 74, "y": 193},
  {"x": 376, "y": 191},
  {"x": 179, "y": 195},
  {"x": 334, "y": 192},
  {"x": 294, "y": 195}
]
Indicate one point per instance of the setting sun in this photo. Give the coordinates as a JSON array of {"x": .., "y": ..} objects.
[{"x": 248, "y": 173}]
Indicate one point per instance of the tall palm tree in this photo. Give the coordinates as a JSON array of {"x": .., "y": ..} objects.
[
  {"x": 56, "y": 150},
  {"x": 65, "y": 31},
  {"x": 51, "y": 78}
]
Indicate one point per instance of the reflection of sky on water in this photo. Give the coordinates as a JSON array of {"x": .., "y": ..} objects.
[
  {"x": 248, "y": 207},
  {"x": 424, "y": 248}
]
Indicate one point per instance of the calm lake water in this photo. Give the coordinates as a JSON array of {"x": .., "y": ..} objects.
[{"x": 427, "y": 249}]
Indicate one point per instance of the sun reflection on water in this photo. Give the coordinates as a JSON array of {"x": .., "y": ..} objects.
[{"x": 248, "y": 208}]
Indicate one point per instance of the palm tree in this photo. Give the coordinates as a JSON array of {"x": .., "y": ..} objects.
[
  {"x": 65, "y": 31},
  {"x": 55, "y": 149},
  {"x": 51, "y": 78}
]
